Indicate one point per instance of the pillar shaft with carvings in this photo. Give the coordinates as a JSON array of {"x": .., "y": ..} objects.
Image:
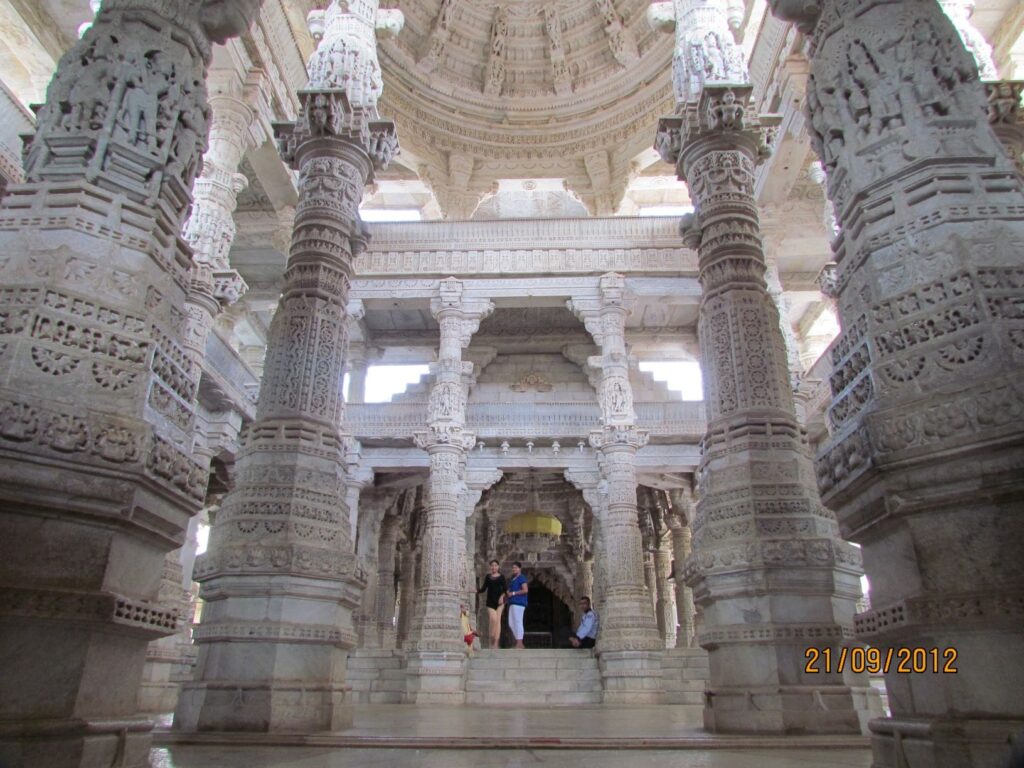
[
  {"x": 771, "y": 570},
  {"x": 629, "y": 627},
  {"x": 439, "y": 654},
  {"x": 665, "y": 603},
  {"x": 407, "y": 590},
  {"x": 384, "y": 634},
  {"x": 210, "y": 228},
  {"x": 96, "y": 402},
  {"x": 678, "y": 522},
  {"x": 357, "y": 368},
  {"x": 283, "y": 533},
  {"x": 925, "y": 468}
]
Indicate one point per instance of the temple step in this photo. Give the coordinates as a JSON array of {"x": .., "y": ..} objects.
[{"x": 541, "y": 677}]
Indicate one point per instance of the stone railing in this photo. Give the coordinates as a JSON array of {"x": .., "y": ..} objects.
[{"x": 682, "y": 421}]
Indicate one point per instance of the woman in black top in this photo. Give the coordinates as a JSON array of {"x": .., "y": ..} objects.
[{"x": 494, "y": 585}]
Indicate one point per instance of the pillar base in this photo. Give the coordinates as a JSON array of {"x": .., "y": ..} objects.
[
  {"x": 435, "y": 677},
  {"x": 906, "y": 743},
  {"x": 77, "y": 743},
  {"x": 790, "y": 709},
  {"x": 631, "y": 677},
  {"x": 281, "y": 708}
]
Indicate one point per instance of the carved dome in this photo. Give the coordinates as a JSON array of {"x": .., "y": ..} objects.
[{"x": 530, "y": 88}]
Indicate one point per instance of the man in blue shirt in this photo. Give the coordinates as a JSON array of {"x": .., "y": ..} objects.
[
  {"x": 517, "y": 592},
  {"x": 586, "y": 635}
]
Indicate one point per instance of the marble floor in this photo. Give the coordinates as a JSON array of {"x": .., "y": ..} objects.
[
  {"x": 183, "y": 756},
  {"x": 462, "y": 737}
]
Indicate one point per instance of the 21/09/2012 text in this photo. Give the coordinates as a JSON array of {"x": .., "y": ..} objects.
[{"x": 876, "y": 660}]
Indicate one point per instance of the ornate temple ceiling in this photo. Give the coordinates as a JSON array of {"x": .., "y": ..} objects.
[{"x": 568, "y": 89}]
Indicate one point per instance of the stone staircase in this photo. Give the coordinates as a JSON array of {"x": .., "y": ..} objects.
[
  {"x": 376, "y": 677},
  {"x": 534, "y": 677}
]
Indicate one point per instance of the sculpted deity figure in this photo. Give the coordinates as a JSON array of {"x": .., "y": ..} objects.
[{"x": 499, "y": 32}]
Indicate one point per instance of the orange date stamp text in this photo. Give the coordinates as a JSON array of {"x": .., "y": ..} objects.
[{"x": 900, "y": 660}]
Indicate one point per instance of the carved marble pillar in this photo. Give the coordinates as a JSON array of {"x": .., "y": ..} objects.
[
  {"x": 96, "y": 403},
  {"x": 373, "y": 507},
  {"x": 477, "y": 480},
  {"x": 959, "y": 13},
  {"x": 705, "y": 52},
  {"x": 771, "y": 570},
  {"x": 629, "y": 638},
  {"x": 356, "y": 479},
  {"x": 210, "y": 229},
  {"x": 385, "y": 635},
  {"x": 280, "y": 579},
  {"x": 438, "y": 654},
  {"x": 590, "y": 487},
  {"x": 1007, "y": 118},
  {"x": 678, "y": 523},
  {"x": 925, "y": 468},
  {"x": 778, "y": 294},
  {"x": 648, "y": 545},
  {"x": 580, "y": 552},
  {"x": 665, "y": 604},
  {"x": 357, "y": 367},
  {"x": 408, "y": 553}
]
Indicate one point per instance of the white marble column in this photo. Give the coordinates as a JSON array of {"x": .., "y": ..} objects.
[
  {"x": 959, "y": 13},
  {"x": 96, "y": 401},
  {"x": 385, "y": 634},
  {"x": 357, "y": 367},
  {"x": 477, "y": 480},
  {"x": 678, "y": 522},
  {"x": 437, "y": 654},
  {"x": 665, "y": 603},
  {"x": 770, "y": 570},
  {"x": 283, "y": 535},
  {"x": 630, "y": 663},
  {"x": 778, "y": 294},
  {"x": 925, "y": 467},
  {"x": 374, "y": 507},
  {"x": 210, "y": 229}
]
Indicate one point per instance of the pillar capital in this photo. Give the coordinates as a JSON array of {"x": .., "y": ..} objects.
[
  {"x": 457, "y": 313},
  {"x": 445, "y": 438},
  {"x": 619, "y": 438},
  {"x": 482, "y": 478},
  {"x": 705, "y": 53}
]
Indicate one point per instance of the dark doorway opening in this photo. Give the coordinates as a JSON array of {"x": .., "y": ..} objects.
[{"x": 547, "y": 621}]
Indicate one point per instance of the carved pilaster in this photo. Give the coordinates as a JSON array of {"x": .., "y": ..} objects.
[
  {"x": 286, "y": 526},
  {"x": 927, "y": 371},
  {"x": 759, "y": 514}
]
